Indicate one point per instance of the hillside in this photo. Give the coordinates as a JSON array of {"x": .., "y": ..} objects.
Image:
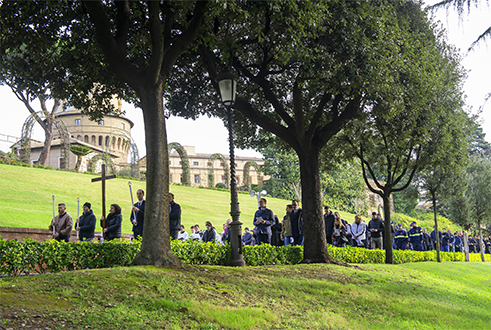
[{"x": 25, "y": 199}]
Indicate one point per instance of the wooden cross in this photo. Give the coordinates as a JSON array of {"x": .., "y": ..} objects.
[{"x": 103, "y": 178}]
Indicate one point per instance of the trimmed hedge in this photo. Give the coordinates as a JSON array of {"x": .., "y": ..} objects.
[{"x": 30, "y": 256}]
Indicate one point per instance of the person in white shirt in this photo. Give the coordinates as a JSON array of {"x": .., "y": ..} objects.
[
  {"x": 195, "y": 236},
  {"x": 182, "y": 235},
  {"x": 358, "y": 231}
]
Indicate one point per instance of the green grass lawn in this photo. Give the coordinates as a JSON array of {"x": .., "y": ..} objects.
[
  {"x": 25, "y": 199},
  {"x": 408, "y": 296}
]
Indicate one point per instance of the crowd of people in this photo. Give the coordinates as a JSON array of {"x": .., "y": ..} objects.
[{"x": 268, "y": 229}]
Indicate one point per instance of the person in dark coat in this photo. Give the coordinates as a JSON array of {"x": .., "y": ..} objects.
[
  {"x": 427, "y": 245},
  {"x": 458, "y": 241},
  {"x": 339, "y": 233},
  {"x": 472, "y": 245},
  {"x": 139, "y": 211},
  {"x": 263, "y": 220},
  {"x": 174, "y": 217},
  {"x": 276, "y": 232},
  {"x": 113, "y": 223},
  {"x": 329, "y": 223},
  {"x": 445, "y": 241},
  {"x": 210, "y": 233},
  {"x": 433, "y": 237},
  {"x": 86, "y": 224},
  {"x": 247, "y": 237},
  {"x": 296, "y": 221},
  {"x": 376, "y": 228}
]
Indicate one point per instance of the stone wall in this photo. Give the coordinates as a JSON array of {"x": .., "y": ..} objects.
[{"x": 39, "y": 235}]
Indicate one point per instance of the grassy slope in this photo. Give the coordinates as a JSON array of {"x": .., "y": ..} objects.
[
  {"x": 25, "y": 199},
  {"x": 408, "y": 296}
]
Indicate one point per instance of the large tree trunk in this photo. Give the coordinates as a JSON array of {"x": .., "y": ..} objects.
[
  {"x": 389, "y": 255},
  {"x": 48, "y": 139},
  {"x": 315, "y": 244},
  {"x": 481, "y": 245},
  {"x": 156, "y": 248},
  {"x": 438, "y": 256}
]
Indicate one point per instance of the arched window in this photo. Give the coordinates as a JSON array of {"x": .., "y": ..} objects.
[
  {"x": 100, "y": 140},
  {"x": 79, "y": 137},
  {"x": 119, "y": 143},
  {"x": 86, "y": 139},
  {"x": 108, "y": 139},
  {"x": 93, "y": 140},
  {"x": 113, "y": 143}
]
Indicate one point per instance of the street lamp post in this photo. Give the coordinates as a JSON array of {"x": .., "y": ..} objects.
[{"x": 227, "y": 82}]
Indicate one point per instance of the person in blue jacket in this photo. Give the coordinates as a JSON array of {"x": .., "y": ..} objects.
[
  {"x": 457, "y": 242},
  {"x": 416, "y": 237},
  {"x": 263, "y": 220},
  {"x": 113, "y": 223},
  {"x": 400, "y": 238},
  {"x": 247, "y": 237}
]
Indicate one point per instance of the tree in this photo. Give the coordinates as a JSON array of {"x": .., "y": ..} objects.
[
  {"x": 406, "y": 201},
  {"x": 283, "y": 169},
  {"x": 128, "y": 49},
  {"x": 27, "y": 68},
  {"x": 462, "y": 6},
  {"x": 80, "y": 151},
  {"x": 306, "y": 70},
  {"x": 478, "y": 144},
  {"x": 472, "y": 205},
  {"x": 405, "y": 139}
]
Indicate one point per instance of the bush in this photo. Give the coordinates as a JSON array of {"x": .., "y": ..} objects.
[
  {"x": 18, "y": 258},
  {"x": 220, "y": 185},
  {"x": 29, "y": 256}
]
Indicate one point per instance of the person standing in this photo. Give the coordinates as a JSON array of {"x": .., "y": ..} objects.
[
  {"x": 427, "y": 246},
  {"x": 433, "y": 238},
  {"x": 296, "y": 222},
  {"x": 286, "y": 230},
  {"x": 328, "y": 223},
  {"x": 416, "y": 237},
  {"x": 358, "y": 230},
  {"x": 113, "y": 223},
  {"x": 139, "y": 211},
  {"x": 276, "y": 232},
  {"x": 62, "y": 223},
  {"x": 86, "y": 224},
  {"x": 339, "y": 233},
  {"x": 458, "y": 241},
  {"x": 174, "y": 217},
  {"x": 376, "y": 227},
  {"x": 400, "y": 238},
  {"x": 263, "y": 220}
]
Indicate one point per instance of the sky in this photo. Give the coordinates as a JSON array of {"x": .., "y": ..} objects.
[{"x": 209, "y": 135}]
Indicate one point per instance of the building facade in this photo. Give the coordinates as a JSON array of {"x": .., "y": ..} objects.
[{"x": 200, "y": 165}]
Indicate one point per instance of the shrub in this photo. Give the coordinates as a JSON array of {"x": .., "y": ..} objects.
[{"x": 220, "y": 185}]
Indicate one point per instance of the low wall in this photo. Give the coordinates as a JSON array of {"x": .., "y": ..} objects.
[{"x": 39, "y": 235}]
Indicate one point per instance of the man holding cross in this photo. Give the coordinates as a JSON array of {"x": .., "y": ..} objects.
[
  {"x": 103, "y": 178},
  {"x": 62, "y": 223}
]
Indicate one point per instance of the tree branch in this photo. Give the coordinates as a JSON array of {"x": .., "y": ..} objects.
[
  {"x": 115, "y": 57},
  {"x": 185, "y": 39},
  {"x": 318, "y": 114},
  {"x": 331, "y": 128},
  {"x": 122, "y": 23},
  {"x": 152, "y": 72}
]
